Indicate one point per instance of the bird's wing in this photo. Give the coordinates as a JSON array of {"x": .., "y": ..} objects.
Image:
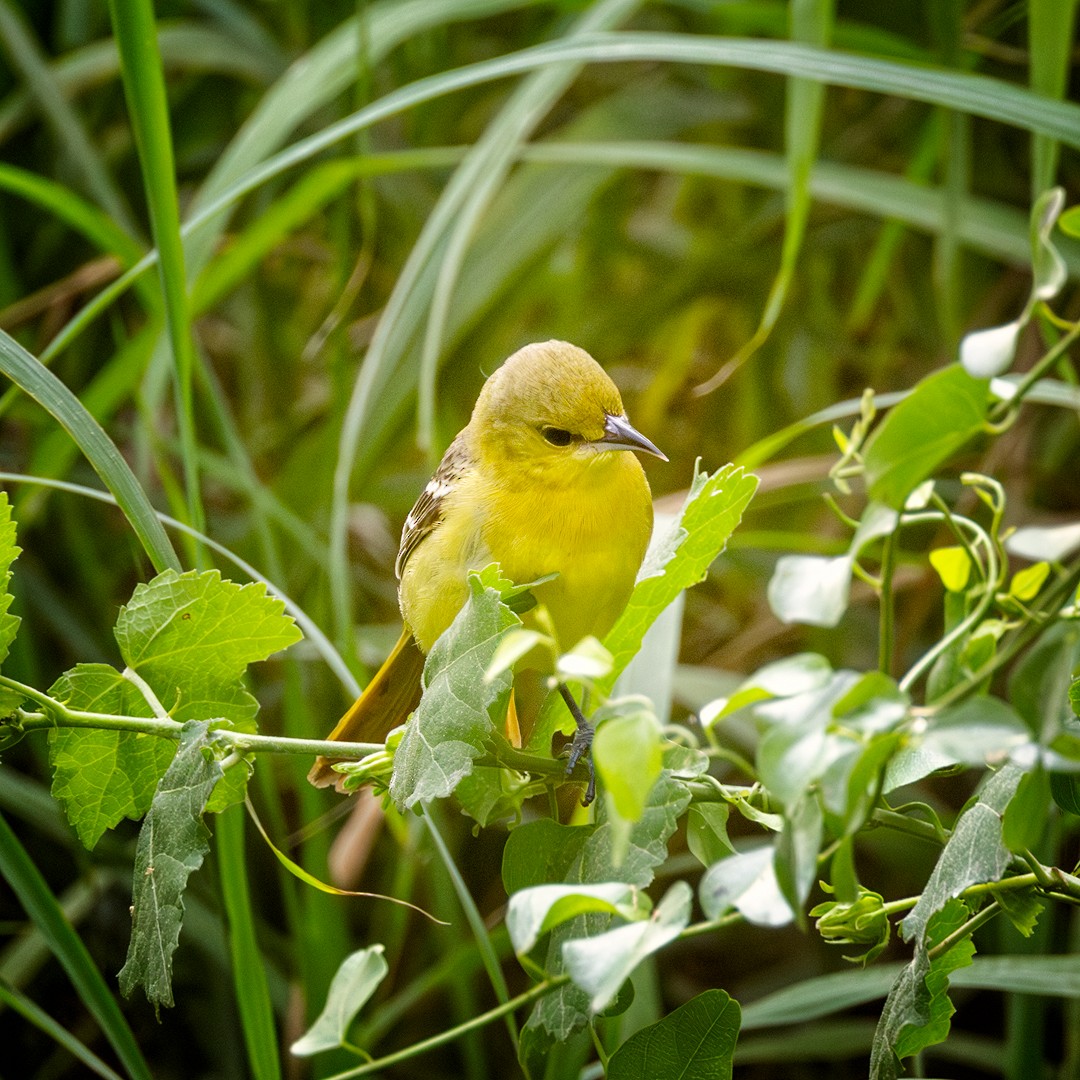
[{"x": 428, "y": 511}]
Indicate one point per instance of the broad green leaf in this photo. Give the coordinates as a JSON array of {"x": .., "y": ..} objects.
[
  {"x": 180, "y": 625},
  {"x": 985, "y": 354},
  {"x": 9, "y": 624},
  {"x": 534, "y": 911},
  {"x": 628, "y": 756},
  {"x": 746, "y": 882},
  {"x": 942, "y": 413},
  {"x": 917, "y": 1011},
  {"x": 973, "y": 855},
  {"x": 101, "y": 776},
  {"x": 1069, "y": 222},
  {"x": 353, "y": 984},
  {"x": 706, "y": 832},
  {"x": 981, "y": 729},
  {"x": 695, "y": 1042},
  {"x": 953, "y": 565},
  {"x": 453, "y": 724},
  {"x": 172, "y": 844},
  {"x": 911, "y": 764},
  {"x": 782, "y": 678},
  {"x": 600, "y": 964},
  {"x": 1028, "y": 813}
]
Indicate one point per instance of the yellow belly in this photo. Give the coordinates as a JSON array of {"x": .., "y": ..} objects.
[{"x": 591, "y": 528}]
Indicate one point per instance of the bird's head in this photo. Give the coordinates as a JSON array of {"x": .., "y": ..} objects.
[{"x": 551, "y": 404}]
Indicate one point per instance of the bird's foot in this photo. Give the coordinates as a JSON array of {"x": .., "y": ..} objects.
[{"x": 580, "y": 745}]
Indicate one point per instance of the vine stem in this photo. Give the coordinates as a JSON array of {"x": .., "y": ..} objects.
[
  {"x": 55, "y": 714},
  {"x": 527, "y": 998}
]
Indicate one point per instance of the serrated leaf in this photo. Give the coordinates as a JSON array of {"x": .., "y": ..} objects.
[
  {"x": 532, "y": 912},
  {"x": 600, "y": 964},
  {"x": 9, "y": 552},
  {"x": 172, "y": 843},
  {"x": 1022, "y": 906},
  {"x": 917, "y": 1010},
  {"x": 746, "y": 882},
  {"x": 695, "y": 1042},
  {"x": 973, "y": 855},
  {"x": 101, "y": 776},
  {"x": 453, "y": 725},
  {"x": 353, "y": 984},
  {"x": 180, "y": 625},
  {"x": 680, "y": 557},
  {"x": 942, "y": 413}
]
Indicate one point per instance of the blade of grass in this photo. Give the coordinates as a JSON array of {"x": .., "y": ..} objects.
[
  {"x": 978, "y": 94},
  {"x": 472, "y": 187},
  {"x": 40, "y": 905},
  {"x": 26, "y": 58},
  {"x": 53, "y": 396},
  {"x": 29, "y": 1011},
  {"x": 811, "y": 22},
  {"x": 249, "y": 971},
  {"x": 144, "y": 87},
  {"x": 1051, "y": 34}
]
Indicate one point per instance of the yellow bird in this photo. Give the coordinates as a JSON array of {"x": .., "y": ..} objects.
[{"x": 536, "y": 482}]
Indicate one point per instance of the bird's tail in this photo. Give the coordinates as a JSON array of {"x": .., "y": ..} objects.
[{"x": 386, "y": 702}]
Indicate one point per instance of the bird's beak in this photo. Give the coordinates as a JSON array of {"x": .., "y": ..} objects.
[{"x": 620, "y": 434}]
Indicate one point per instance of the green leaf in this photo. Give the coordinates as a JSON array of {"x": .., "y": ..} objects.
[
  {"x": 178, "y": 626},
  {"x": 782, "y": 678},
  {"x": 1069, "y": 222},
  {"x": 706, "y": 832},
  {"x": 600, "y": 964},
  {"x": 453, "y": 724},
  {"x": 746, "y": 882},
  {"x": 532, "y": 912},
  {"x": 942, "y": 413},
  {"x": 1026, "y": 583},
  {"x": 353, "y": 983},
  {"x": 628, "y": 756},
  {"x": 1028, "y": 812},
  {"x": 695, "y": 1042},
  {"x": 973, "y": 855},
  {"x": 981, "y": 729},
  {"x": 917, "y": 1011},
  {"x": 9, "y": 624},
  {"x": 101, "y": 776},
  {"x": 1022, "y": 906},
  {"x": 953, "y": 565},
  {"x": 172, "y": 843}
]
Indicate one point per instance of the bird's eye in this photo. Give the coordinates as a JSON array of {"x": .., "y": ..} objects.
[{"x": 557, "y": 436}]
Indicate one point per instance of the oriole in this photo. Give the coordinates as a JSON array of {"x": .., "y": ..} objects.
[{"x": 536, "y": 482}]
